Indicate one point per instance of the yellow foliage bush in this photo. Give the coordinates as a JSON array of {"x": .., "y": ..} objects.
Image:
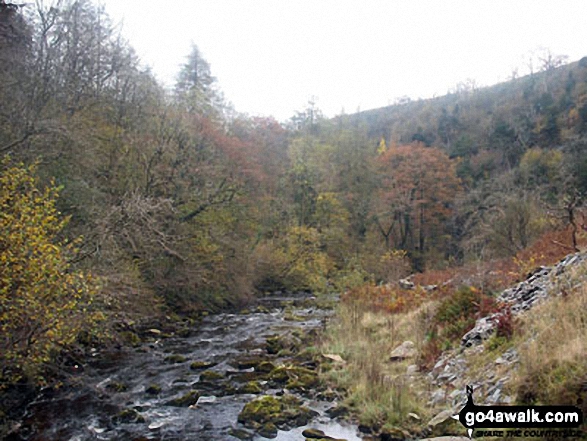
[{"x": 44, "y": 304}]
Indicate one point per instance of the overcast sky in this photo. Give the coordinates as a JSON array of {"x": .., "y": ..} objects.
[{"x": 271, "y": 56}]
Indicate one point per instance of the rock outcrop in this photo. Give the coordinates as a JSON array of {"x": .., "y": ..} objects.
[
  {"x": 451, "y": 373},
  {"x": 406, "y": 350},
  {"x": 522, "y": 297}
]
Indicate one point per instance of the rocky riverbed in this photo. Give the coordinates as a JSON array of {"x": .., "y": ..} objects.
[{"x": 248, "y": 376}]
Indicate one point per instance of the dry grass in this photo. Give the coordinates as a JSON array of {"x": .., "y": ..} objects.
[
  {"x": 553, "y": 347},
  {"x": 377, "y": 388},
  {"x": 551, "y": 340}
]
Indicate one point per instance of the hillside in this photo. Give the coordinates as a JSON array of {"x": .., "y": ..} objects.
[
  {"x": 528, "y": 351},
  {"x": 471, "y": 114}
]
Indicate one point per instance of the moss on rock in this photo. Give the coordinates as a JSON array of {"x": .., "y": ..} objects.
[
  {"x": 294, "y": 377},
  {"x": 252, "y": 387},
  {"x": 284, "y": 412},
  {"x": 241, "y": 434},
  {"x": 196, "y": 365},
  {"x": 153, "y": 389},
  {"x": 210, "y": 376},
  {"x": 128, "y": 416},
  {"x": 268, "y": 430},
  {"x": 186, "y": 400},
  {"x": 117, "y": 387},
  {"x": 175, "y": 358},
  {"x": 265, "y": 367}
]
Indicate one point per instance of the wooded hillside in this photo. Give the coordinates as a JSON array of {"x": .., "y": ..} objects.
[{"x": 177, "y": 203}]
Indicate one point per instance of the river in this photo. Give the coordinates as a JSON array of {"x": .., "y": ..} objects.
[{"x": 136, "y": 394}]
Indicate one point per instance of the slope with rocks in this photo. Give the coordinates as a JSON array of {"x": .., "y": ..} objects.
[{"x": 542, "y": 361}]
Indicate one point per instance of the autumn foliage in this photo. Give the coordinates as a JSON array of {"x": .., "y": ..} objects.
[
  {"x": 44, "y": 304},
  {"x": 415, "y": 199},
  {"x": 385, "y": 298}
]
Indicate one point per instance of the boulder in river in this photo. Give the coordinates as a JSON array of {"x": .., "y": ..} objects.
[
  {"x": 129, "y": 416},
  {"x": 196, "y": 365},
  {"x": 153, "y": 389},
  {"x": 241, "y": 434},
  {"x": 186, "y": 400},
  {"x": 284, "y": 412},
  {"x": 175, "y": 358},
  {"x": 210, "y": 376},
  {"x": 294, "y": 377},
  {"x": 312, "y": 434},
  {"x": 252, "y": 387}
]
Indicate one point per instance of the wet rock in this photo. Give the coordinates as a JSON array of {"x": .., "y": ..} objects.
[
  {"x": 366, "y": 429},
  {"x": 290, "y": 316},
  {"x": 207, "y": 376},
  {"x": 261, "y": 410},
  {"x": 250, "y": 345},
  {"x": 205, "y": 400},
  {"x": 294, "y": 377},
  {"x": 153, "y": 389},
  {"x": 156, "y": 425},
  {"x": 186, "y": 400},
  {"x": 245, "y": 377},
  {"x": 406, "y": 350},
  {"x": 131, "y": 338},
  {"x": 175, "y": 358},
  {"x": 328, "y": 395},
  {"x": 265, "y": 367},
  {"x": 128, "y": 416},
  {"x": 247, "y": 362},
  {"x": 252, "y": 387},
  {"x": 338, "y": 411},
  {"x": 241, "y": 434},
  {"x": 184, "y": 332},
  {"x": 117, "y": 387},
  {"x": 287, "y": 343},
  {"x": 268, "y": 430},
  {"x": 283, "y": 412},
  {"x": 311, "y": 434},
  {"x": 273, "y": 344},
  {"x": 197, "y": 365}
]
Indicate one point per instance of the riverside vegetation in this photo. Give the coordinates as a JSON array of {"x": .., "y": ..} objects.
[{"x": 126, "y": 209}]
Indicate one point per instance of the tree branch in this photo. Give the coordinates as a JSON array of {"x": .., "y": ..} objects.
[{"x": 16, "y": 142}]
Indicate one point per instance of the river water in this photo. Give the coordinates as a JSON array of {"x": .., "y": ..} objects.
[{"x": 128, "y": 395}]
